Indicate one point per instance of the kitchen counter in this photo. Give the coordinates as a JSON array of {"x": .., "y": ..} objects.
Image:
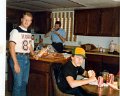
[
  {"x": 52, "y": 60},
  {"x": 103, "y": 53},
  {"x": 40, "y": 83},
  {"x": 94, "y": 51},
  {"x": 100, "y": 61},
  {"x": 106, "y": 53}
]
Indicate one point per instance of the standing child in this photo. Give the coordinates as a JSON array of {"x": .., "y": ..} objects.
[{"x": 20, "y": 46}]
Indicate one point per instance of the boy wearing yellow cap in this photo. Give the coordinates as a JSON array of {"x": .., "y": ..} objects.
[{"x": 67, "y": 78}]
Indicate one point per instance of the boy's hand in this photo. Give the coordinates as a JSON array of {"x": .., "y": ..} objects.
[
  {"x": 91, "y": 73},
  {"x": 35, "y": 57},
  {"x": 17, "y": 67}
]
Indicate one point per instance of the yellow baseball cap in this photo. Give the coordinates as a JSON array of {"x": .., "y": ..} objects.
[{"x": 79, "y": 51}]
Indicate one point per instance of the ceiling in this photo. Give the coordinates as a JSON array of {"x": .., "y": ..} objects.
[{"x": 60, "y": 5}]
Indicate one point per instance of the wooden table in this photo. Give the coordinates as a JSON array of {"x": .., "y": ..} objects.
[{"x": 104, "y": 91}]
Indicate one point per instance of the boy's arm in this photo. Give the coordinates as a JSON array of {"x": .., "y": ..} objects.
[{"x": 75, "y": 83}]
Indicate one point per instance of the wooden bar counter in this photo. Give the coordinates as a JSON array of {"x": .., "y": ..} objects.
[{"x": 40, "y": 77}]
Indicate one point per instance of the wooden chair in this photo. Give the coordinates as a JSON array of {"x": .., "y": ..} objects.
[{"x": 55, "y": 69}]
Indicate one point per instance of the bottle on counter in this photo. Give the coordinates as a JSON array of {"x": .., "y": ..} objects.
[
  {"x": 100, "y": 49},
  {"x": 111, "y": 46}
]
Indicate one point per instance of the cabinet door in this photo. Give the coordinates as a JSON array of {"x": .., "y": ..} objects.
[
  {"x": 42, "y": 22},
  {"x": 93, "y": 62},
  {"x": 94, "y": 23},
  {"x": 80, "y": 22},
  {"x": 38, "y": 84},
  {"x": 117, "y": 22},
  {"x": 108, "y": 22},
  {"x": 111, "y": 64},
  {"x": 40, "y": 79},
  {"x": 97, "y": 22},
  {"x": 13, "y": 15}
]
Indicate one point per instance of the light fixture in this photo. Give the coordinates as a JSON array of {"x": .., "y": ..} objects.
[{"x": 117, "y": 0}]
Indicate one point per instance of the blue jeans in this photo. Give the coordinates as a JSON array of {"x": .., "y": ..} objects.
[{"x": 20, "y": 79}]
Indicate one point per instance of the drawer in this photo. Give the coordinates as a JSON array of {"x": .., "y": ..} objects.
[
  {"x": 110, "y": 60},
  {"x": 94, "y": 58}
]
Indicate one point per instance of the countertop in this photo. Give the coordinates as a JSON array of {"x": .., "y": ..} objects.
[
  {"x": 103, "y": 53},
  {"x": 106, "y": 53},
  {"x": 95, "y": 51},
  {"x": 52, "y": 60}
]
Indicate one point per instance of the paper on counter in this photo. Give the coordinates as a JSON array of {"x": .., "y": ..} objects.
[
  {"x": 66, "y": 55},
  {"x": 93, "y": 83}
]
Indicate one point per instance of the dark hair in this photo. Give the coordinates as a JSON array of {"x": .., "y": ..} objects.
[{"x": 58, "y": 22}]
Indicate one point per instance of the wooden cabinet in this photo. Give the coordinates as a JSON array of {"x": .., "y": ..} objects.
[
  {"x": 97, "y": 22},
  {"x": 38, "y": 85},
  {"x": 42, "y": 22},
  {"x": 94, "y": 62},
  {"x": 99, "y": 63},
  {"x": 109, "y": 22},
  {"x": 12, "y": 19},
  {"x": 87, "y": 22},
  {"x": 94, "y": 23},
  {"x": 13, "y": 15},
  {"x": 80, "y": 22},
  {"x": 117, "y": 22},
  {"x": 111, "y": 64},
  {"x": 39, "y": 80}
]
